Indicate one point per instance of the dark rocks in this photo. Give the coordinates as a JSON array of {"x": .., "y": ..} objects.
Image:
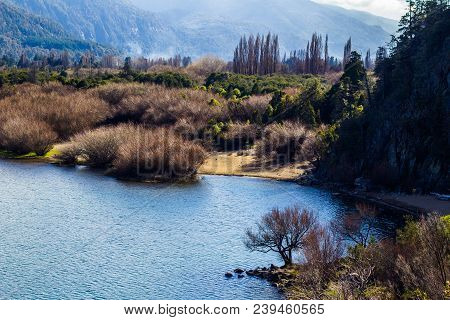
[
  {"x": 280, "y": 278},
  {"x": 241, "y": 276},
  {"x": 238, "y": 271},
  {"x": 228, "y": 275},
  {"x": 250, "y": 272},
  {"x": 273, "y": 277}
]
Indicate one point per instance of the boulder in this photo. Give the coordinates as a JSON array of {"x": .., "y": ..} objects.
[
  {"x": 239, "y": 271},
  {"x": 228, "y": 275}
]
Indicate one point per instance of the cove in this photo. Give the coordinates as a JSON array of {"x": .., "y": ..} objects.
[{"x": 72, "y": 233}]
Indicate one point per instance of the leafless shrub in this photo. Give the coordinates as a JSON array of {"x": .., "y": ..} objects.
[
  {"x": 23, "y": 135},
  {"x": 288, "y": 142},
  {"x": 68, "y": 153},
  {"x": 321, "y": 252},
  {"x": 204, "y": 66},
  {"x": 357, "y": 227},
  {"x": 158, "y": 106},
  {"x": 137, "y": 152},
  {"x": 158, "y": 154},
  {"x": 66, "y": 111},
  {"x": 99, "y": 147},
  {"x": 114, "y": 94},
  {"x": 282, "y": 231},
  {"x": 240, "y": 136},
  {"x": 251, "y": 109}
]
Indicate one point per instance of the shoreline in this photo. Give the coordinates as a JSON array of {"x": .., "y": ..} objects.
[{"x": 245, "y": 164}]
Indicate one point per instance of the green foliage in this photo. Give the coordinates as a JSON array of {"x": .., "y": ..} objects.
[
  {"x": 378, "y": 293},
  {"x": 15, "y": 76},
  {"x": 398, "y": 135},
  {"x": 303, "y": 106},
  {"x": 214, "y": 103},
  {"x": 167, "y": 79},
  {"x": 250, "y": 85},
  {"x": 416, "y": 294},
  {"x": 348, "y": 97}
]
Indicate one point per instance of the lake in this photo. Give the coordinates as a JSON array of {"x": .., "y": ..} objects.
[{"x": 72, "y": 233}]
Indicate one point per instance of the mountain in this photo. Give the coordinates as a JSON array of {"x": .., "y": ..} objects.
[
  {"x": 110, "y": 22},
  {"x": 199, "y": 27},
  {"x": 388, "y": 25},
  {"x": 21, "y": 31},
  {"x": 220, "y": 24}
]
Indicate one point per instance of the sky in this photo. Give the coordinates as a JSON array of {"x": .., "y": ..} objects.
[{"x": 393, "y": 9}]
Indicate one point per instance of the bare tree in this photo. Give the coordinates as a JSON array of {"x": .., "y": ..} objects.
[
  {"x": 281, "y": 231},
  {"x": 260, "y": 55},
  {"x": 321, "y": 252},
  {"x": 358, "y": 227}
]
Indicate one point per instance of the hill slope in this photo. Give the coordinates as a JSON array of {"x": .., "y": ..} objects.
[
  {"x": 110, "y": 22},
  {"x": 220, "y": 24},
  {"x": 21, "y": 31},
  {"x": 199, "y": 27}
]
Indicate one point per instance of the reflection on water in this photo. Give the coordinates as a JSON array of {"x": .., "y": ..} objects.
[{"x": 74, "y": 234}]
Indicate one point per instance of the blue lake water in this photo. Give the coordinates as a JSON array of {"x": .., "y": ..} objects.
[{"x": 70, "y": 233}]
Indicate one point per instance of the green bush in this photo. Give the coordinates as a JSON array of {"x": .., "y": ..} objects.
[{"x": 251, "y": 85}]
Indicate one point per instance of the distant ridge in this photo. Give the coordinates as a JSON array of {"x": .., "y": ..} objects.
[
  {"x": 22, "y": 32},
  {"x": 199, "y": 27}
]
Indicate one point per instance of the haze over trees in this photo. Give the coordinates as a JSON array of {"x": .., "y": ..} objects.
[{"x": 190, "y": 30}]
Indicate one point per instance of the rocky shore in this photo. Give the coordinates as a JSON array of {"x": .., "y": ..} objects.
[{"x": 279, "y": 277}]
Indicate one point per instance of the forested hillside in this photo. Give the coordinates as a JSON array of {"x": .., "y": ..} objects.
[
  {"x": 400, "y": 137},
  {"x": 21, "y": 31},
  {"x": 110, "y": 22}
]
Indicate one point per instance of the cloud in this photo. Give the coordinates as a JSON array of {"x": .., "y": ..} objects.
[{"x": 393, "y": 9}]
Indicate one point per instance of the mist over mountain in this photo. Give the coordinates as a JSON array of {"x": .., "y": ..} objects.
[
  {"x": 196, "y": 28},
  {"x": 21, "y": 32},
  {"x": 221, "y": 23}
]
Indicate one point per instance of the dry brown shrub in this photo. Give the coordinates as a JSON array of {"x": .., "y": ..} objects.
[
  {"x": 158, "y": 154},
  {"x": 240, "y": 136},
  {"x": 136, "y": 152},
  {"x": 23, "y": 135},
  {"x": 251, "y": 109},
  {"x": 158, "y": 106},
  {"x": 287, "y": 142},
  {"x": 115, "y": 93},
  {"x": 203, "y": 67},
  {"x": 63, "y": 109}
]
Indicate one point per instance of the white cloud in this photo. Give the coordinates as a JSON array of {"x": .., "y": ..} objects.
[{"x": 393, "y": 9}]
